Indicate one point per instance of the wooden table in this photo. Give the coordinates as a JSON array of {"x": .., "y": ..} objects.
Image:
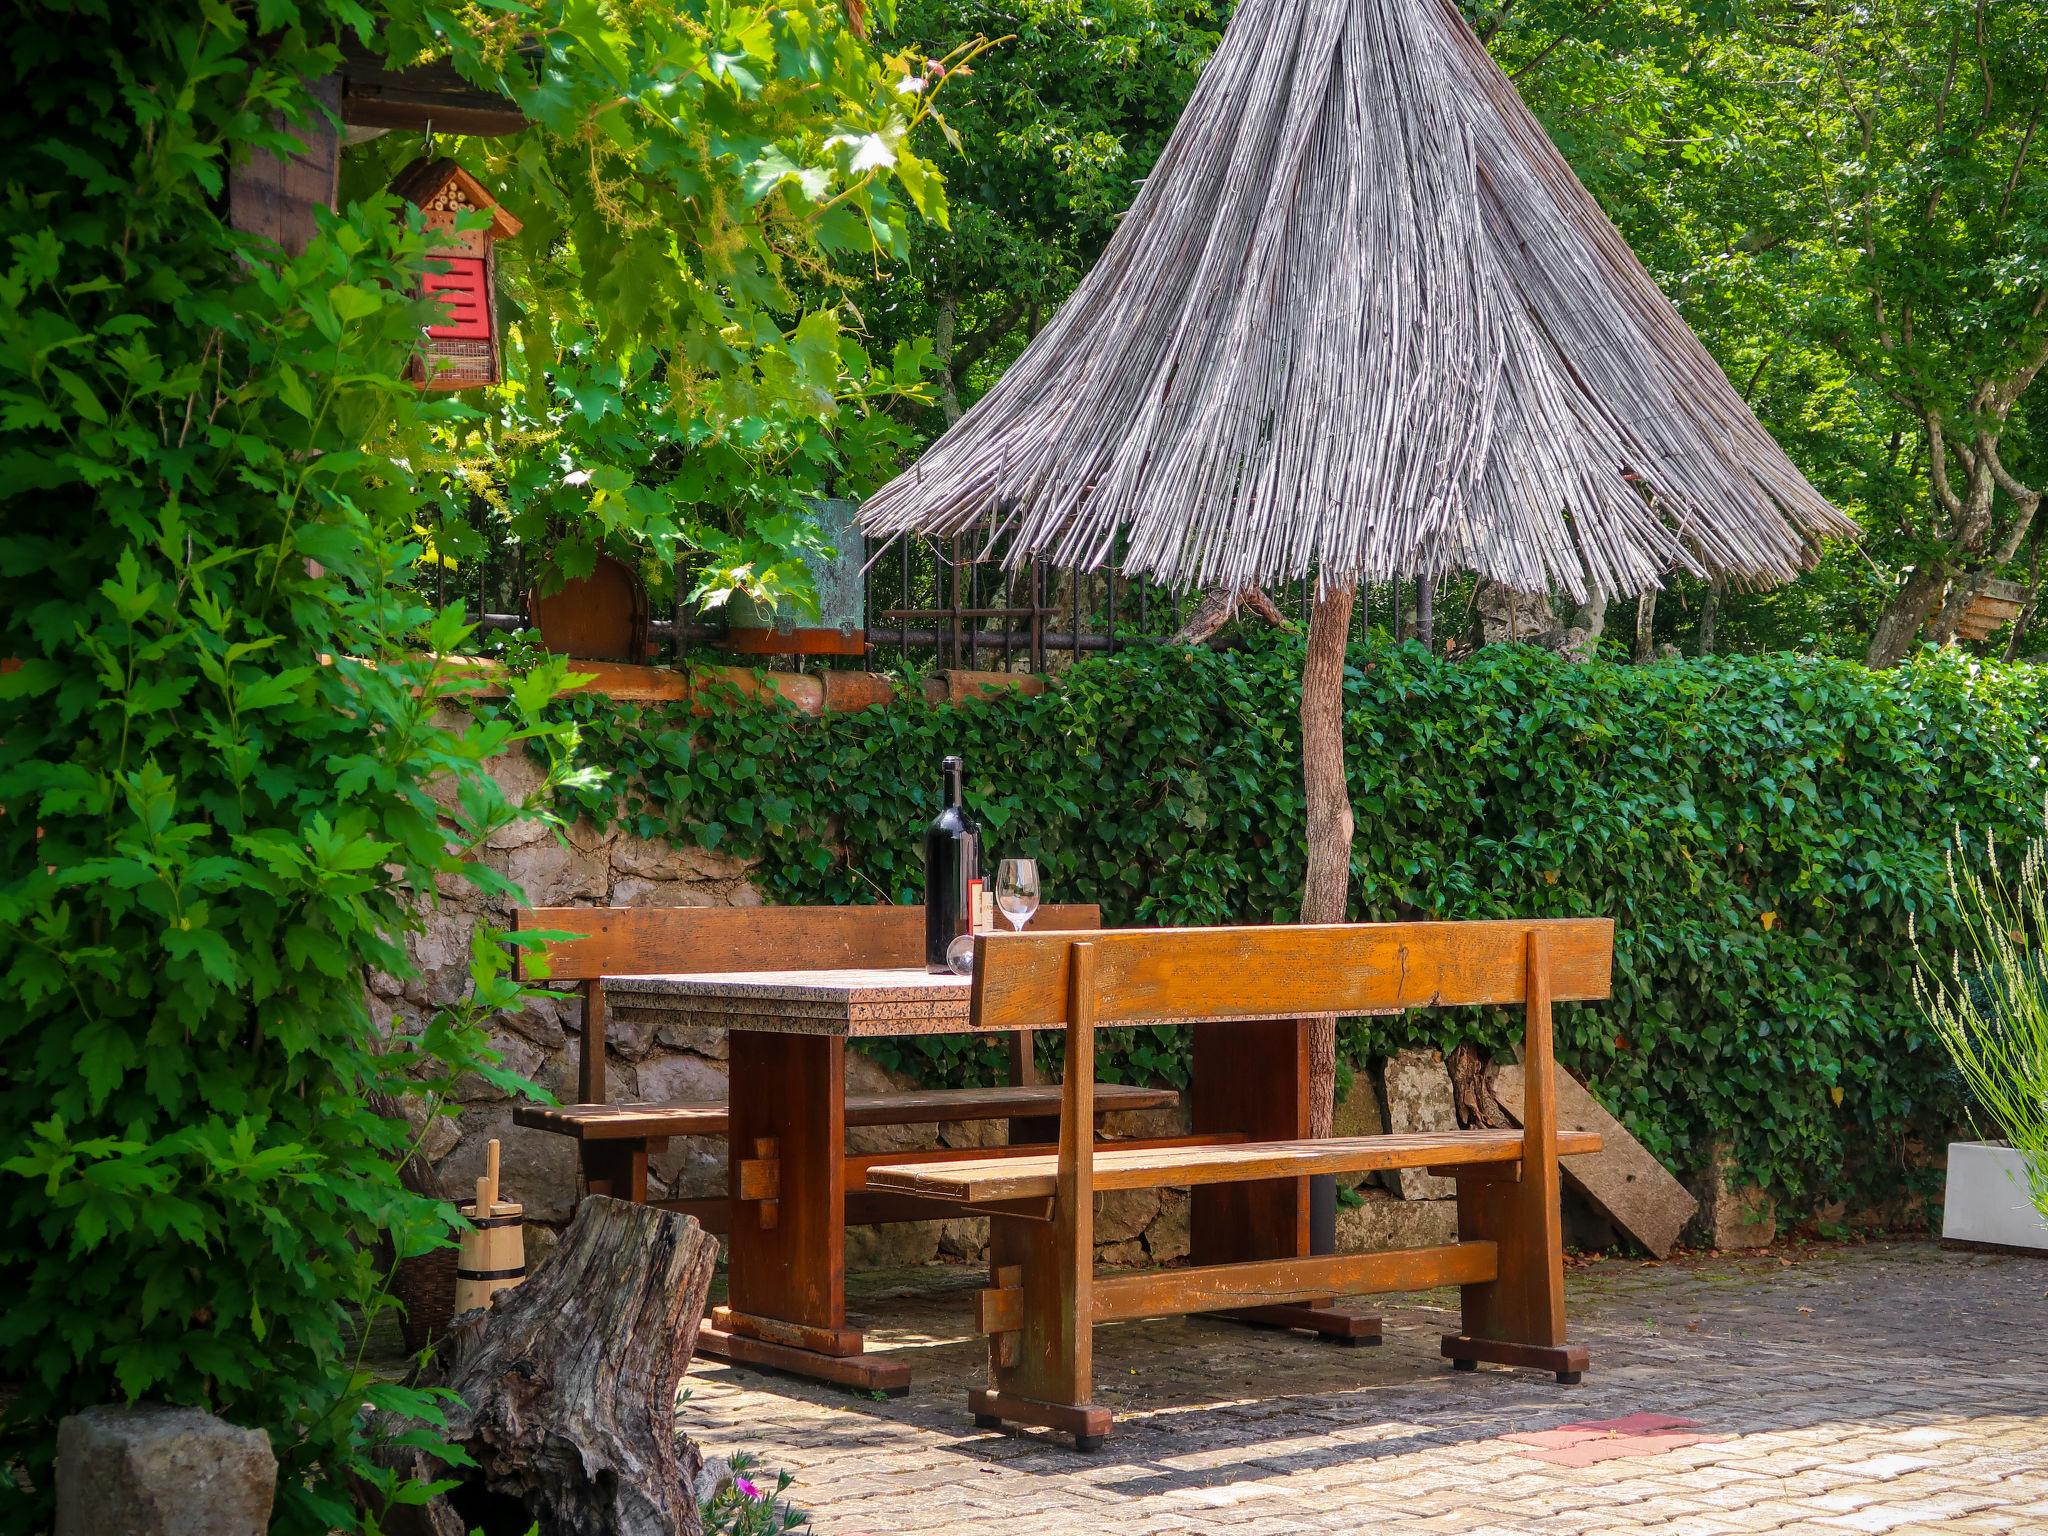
[{"x": 786, "y": 1291}]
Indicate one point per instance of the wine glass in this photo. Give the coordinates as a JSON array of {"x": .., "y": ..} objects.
[{"x": 1017, "y": 890}]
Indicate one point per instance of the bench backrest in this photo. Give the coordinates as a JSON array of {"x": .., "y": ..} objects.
[
  {"x": 1160, "y": 975},
  {"x": 641, "y": 941},
  {"x": 1154, "y": 976}
]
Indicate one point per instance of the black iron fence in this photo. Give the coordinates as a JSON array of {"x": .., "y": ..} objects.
[{"x": 927, "y": 603}]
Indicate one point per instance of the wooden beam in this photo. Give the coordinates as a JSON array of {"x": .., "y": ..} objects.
[
  {"x": 979, "y": 1177},
  {"x": 1172, "y": 1292},
  {"x": 1157, "y": 976},
  {"x": 433, "y": 95}
]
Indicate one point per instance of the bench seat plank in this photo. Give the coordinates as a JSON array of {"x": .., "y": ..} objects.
[
  {"x": 977, "y": 1180},
  {"x": 923, "y": 1106}
]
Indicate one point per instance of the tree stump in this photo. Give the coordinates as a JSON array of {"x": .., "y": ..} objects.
[{"x": 567, "y": 1389}]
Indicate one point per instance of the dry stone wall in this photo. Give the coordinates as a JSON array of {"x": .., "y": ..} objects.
[{"x": 583, "y": 866}]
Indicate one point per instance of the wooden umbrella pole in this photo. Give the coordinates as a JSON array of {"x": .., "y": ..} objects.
[{"x": 1326, "y": 887}]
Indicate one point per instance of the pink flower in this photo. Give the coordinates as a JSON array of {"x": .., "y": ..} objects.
[{"x": 746, "y": 1487}]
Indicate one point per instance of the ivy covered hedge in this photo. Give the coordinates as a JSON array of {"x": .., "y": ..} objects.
[{"x": 1762, "y": 829}]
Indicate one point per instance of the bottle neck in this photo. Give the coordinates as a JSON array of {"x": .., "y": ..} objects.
[{"x": 952, "y": 782}]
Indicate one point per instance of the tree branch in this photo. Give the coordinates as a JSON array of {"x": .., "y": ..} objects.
[
  {"x": 1937, "y": 468},
  {"x": 983, "y": 341},
  {"x": 1217, "y": 606}
]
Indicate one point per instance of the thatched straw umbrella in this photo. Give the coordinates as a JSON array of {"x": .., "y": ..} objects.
[{"x": 1363, "y": 322}]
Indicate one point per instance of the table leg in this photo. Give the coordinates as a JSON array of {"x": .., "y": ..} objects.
[
  {"x": 786, "y": 1249},
  {"x": 1253, "y": 1078}
]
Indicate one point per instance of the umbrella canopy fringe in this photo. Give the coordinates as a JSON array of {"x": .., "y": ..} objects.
[{"x": 1363, "y": 319}]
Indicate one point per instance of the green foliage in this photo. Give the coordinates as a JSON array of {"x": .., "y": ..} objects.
[
  {"x": 1987, "y": 997},
  {"x": 1848, "y": 203},
  {"x": 227, "y": 774},
  {"x": 1052, "y": 132},
  {"x": 1760, "y": 829},
  {"x": 740, "y": 1506},
  {"x": 682, "y": 372}
]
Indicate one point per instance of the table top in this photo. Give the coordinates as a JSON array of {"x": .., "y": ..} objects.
[{"x": 852, "y": 1003}]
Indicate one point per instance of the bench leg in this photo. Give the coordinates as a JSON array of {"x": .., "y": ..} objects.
[
  {"x": 615, "y": 1168},
  {"x": 1518, "y": 1317},
  {"x": 1253, "y": 1078},
  {"x": 1041, "y": 1372}
]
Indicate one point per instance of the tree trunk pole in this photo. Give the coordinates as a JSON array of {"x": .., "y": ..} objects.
[
  {"x": 1710, "y": 614},
  {"x": 1326, "y": 888},
  {"x": 1909, "y": 609},
  {"x": 1425, "y": 611}
]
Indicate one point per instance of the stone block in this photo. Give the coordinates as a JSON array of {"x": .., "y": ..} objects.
[
  {"x": 1622, "y": 1181},
  {"x": 656, "y": 860},
  {"x": 695, "y": 1038},
  {"x": 1383, "y": 1222},
  {"x": 518, "y": 1055},
  {"x": 553, "y": 873},
  {"x": 900, "y": 1245},
  {"x": 621, "y": 1083},
  {"x": 440, "y": 1138},
  {"x": 155, "y": 1470},
  {"x": 1732, "y": 1214},
  {"x": 538, "y": 1168},
  {"x": 587, "y": 837},
  {"x": 964, "y": 1238},
  {"x": 1167, "y": 1238},
  {"x": 546, "y": 1021},
  {"x": 679, "y": 1077},
  {"x": 1124, "y": 1214},
  {"x": 690, "y": 1167},
  {"x": 1416, "y": 1091},
  {"x": 1360, "y": 1113},
  {"x": 523, "y": 833},
  {"x": 1168, "y": 1120},
  {"x": 973, "y": 1134},
  {"x": 633, "y": 891}
]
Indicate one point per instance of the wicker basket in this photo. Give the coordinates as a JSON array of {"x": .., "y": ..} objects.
[{"x": 426, "y": 1287}]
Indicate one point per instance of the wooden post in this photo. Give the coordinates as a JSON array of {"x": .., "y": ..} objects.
[
  {"x": 277, "y": 197},
  {"x": 590, "y": 1054},
  {"x": 1044, "y": 1369},
  {"x": 1326, "y": 885},
  {"x": 1518, "y": 1318}
]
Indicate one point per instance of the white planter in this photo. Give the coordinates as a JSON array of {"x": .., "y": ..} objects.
[{"x": 1988, "y": 1198}]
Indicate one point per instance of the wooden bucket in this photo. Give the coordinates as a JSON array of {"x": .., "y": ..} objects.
[{"x": 492, "y": 1254}]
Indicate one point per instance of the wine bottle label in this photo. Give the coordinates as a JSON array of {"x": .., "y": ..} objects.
[
  {"x": 985, "y": 912},
  {"x": 970, "y": 915}
]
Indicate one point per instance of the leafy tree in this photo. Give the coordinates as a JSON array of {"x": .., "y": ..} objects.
[
  {"x": 1849, "y": 205},
  {"x": 226, "y": 772},
  {"x": 1050, "y": 135}
]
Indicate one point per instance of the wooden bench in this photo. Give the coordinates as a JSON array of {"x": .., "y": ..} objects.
[
  {"x": 615, "y": 1141},
  {"x": 1044, "y": 1298}
]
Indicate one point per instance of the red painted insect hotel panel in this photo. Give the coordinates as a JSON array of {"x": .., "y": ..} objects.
[{"x": 461, "y": 350}]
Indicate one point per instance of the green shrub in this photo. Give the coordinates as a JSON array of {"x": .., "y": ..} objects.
[
  {"x": 224, "y": 768},
  {"x": 1760, "y": 829}
]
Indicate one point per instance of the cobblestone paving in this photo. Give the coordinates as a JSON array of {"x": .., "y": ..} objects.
[{"x": 1892, "y": 1387}]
